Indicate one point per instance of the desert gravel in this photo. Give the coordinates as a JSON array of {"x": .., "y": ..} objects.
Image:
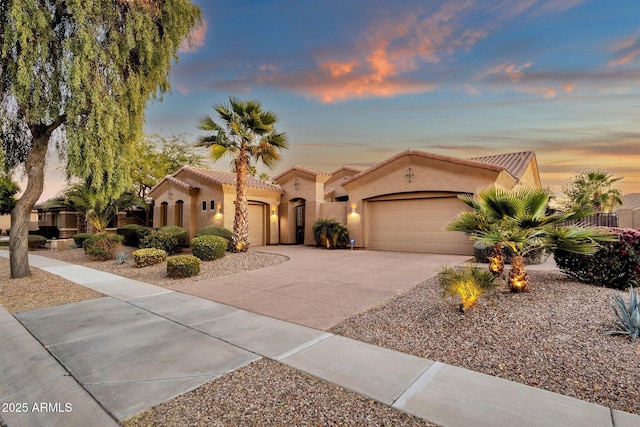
[
  {"x": 268, "y": 393},
  {"x": 552, "y": 337}
]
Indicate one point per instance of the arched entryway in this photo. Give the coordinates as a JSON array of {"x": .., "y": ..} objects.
[
  {"x": 299, "y": 214},
  {"x": 179, "y": 213}
]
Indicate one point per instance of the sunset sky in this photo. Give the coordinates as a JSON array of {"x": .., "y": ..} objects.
[{"x": 355, "y": 82}]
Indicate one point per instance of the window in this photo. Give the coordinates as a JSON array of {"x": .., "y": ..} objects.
[
  {"x": 163, "y": 213},
  {"x": 204, "y": 206},
  {"x": 213, "y": 206},
  {"x": 179, "y": 210}
]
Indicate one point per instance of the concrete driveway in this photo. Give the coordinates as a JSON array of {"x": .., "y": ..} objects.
[{"x": 319, "y": 288}]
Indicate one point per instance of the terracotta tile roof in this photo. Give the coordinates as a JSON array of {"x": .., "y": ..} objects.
[
  {"x": 219, "y": 177},
  {"x": 514, "y": 163},
  {"x": 347, "y": 168},
  {"x": 299, "y": 169},
  {"x": 630, "y": 201},
  {"x": 424, "y": 154},
  {"x": 180, "y": 183}
]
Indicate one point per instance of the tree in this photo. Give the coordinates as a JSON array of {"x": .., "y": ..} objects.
[
  {"x": 593, "y": 189},
  {"x": 8, "y": 190},
  {"x": 248, "y": 134},
  {"x": 157, "y": 157},
  {"x": 98, "y": 208},
  {"x": 82, "y": 73},
  {"x": 520, "y": 220}
]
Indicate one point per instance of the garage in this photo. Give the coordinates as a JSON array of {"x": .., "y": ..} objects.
[
  {"x": 416, "y": 225},
  {"x": 256, "y": 225}
]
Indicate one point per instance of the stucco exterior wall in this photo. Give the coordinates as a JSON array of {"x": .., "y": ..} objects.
[
  {"x": 335, "y": 210},
  {"x": 629, "y": 218}
]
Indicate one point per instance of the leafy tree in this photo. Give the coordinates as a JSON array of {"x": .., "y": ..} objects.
[
  {"x": 157, "y": 157},
  {"x": 593, "y": 189},
  {"x": 248, "y": 134},
  {"x": 98, "y": 208},
  {"x": 520, "y": 220},
  {"x": 8, "y": 190},
  {"x": 83, "y": 72}
]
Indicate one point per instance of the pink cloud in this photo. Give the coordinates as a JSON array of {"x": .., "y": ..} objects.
[
  {"x": 625, "y": 51},
  {"x": 196, "y": 39}
]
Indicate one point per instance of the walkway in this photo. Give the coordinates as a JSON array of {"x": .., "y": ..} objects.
[{"x": 143, "y": 344}]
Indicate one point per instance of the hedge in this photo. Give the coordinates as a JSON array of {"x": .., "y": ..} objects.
[
  {"x": 36, "y": 241},
  {"x": 132, "y": 234},
  {"x": 103, "y": 246},
  {"x": 208, "y": 248},
  {"x": 148, "y": 256},
  {"x": 181, "y": 266}
]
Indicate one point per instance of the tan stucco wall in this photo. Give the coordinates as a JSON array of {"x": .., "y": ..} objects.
[
  {"x": 629, "y": 218},
  {"x": 335, "y": 210}
]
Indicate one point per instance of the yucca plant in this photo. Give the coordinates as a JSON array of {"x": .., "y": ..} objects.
[
  {"x": 628, "y": 318},
  {"x": 468, "y": 283}
]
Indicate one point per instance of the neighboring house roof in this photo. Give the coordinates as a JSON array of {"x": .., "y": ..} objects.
[
  {"x": 630, "y": 201},
  {"x": 473, "y": 163},
  {"x": 514, "y": 163}
]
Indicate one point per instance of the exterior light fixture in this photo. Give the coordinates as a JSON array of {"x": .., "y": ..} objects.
[
  {"x": 273, "y": 211},
  {"x": 353, "y": 209}
]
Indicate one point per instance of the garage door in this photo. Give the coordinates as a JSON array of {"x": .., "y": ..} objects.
[
  {"x": 256, "y": 225},
  {"x": 417, "y": 225}
]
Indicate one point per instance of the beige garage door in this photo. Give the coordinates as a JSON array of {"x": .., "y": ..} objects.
[
  {"x": 256, "y": 225},
  {"x": 417, "y": 225}
]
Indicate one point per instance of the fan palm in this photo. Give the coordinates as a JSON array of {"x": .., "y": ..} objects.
[
  {"x": 98, "y": 209},
  {"x": 519, "y": 220},
  {"x": 594, "y": 189},
  {"x": 248, "y": 134}
]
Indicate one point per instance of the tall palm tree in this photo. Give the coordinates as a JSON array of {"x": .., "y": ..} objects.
[
  {"x": 98, "y": 209},
  {"x": 248, "y": 134},
  {"x": 519, "y": 219},
  {"x": 594, "y": 189}
]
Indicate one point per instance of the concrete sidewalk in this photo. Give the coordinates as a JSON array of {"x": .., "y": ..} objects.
[{"x": 143, "y": 344}]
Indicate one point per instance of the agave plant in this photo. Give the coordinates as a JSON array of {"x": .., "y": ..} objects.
[
  {"x": 628, "y": 318},
  {"x": 120, "y": 257}
]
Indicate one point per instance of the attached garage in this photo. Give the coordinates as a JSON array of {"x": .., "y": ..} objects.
[
  {"x": 256, "y": 225},
  {"x": 416, "y": 225}
]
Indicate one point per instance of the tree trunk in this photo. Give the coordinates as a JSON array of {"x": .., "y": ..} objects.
[
  {"x": 241, "y": 219},
  {"x": 21, "y": 214}
]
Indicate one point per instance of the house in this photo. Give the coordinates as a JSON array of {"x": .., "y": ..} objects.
[
  {"x": 400, "y": 204},
  {"x": 629, "y": 212}
]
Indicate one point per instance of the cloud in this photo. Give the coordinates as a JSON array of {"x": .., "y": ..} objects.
[
  {"x": 196, "y": 39},
  {"x": 625, "y": 51}
]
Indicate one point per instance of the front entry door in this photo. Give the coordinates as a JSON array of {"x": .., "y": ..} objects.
[{"x": 300, "y": 224}]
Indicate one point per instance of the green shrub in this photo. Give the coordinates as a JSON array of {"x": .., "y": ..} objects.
[
  {"x": 179, "y": 232},
  {"x": 103, "y": 246},
  {"x": 208, "y": 248},
  {"x": 8, "y": 230},
  {"x": 79, "y": 238},
  {"x": 183, "y": 266},
  {"x": 330, "y": 233},
  {"x": 132, "y": 233},
  {"x": 36, "y": 241},
  {"x": 148, "y": 256},
  {"x": 469, "y": 283},
  {"x": 48, "y": 231},
  {"x": 615, "y": 265},
  {"x": 160, "y": 240}
]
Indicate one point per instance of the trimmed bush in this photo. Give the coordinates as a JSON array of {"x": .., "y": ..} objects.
[
  {"x": 215, "y": 230},
  {"x": 132, "y": 234},
  {"x": 615, "y": 265},
  {"x": 103, "y": 246},
  {"x": 148, "y": 256},
  {"x": 182, "y": 266},
  {"x": 179, "y": 232},
  {"x": 36, "y": 241},
  {"x": 160, "y": 240},
  {"x": 208, "y": 248},
  {"x": 79, "y": 238}
]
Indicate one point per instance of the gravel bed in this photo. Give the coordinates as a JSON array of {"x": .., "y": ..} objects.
[
  {"x": 231, "y": 263},
  {"x": 267, "y": 393},
  {"x": 40, "y": 290},
  {"x": 552, "y": 337}
]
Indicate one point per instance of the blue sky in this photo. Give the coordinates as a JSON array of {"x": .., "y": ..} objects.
[{"x": 355, "y": 82}]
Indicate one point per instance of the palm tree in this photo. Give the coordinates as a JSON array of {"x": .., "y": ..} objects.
[
  {"x": 248, "y": 134},
  {"x": 98, "y": 209},
  {"x": 594, "y": 189},
  {"x": 519, "y": 220}
]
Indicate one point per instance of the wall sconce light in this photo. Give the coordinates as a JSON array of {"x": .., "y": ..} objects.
[
  {"x": 170, "y": 194},
  {"x": 219, "y": 211},
  {"x": 296, "y": 183},
  {"x": 353, "y": 209}
]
